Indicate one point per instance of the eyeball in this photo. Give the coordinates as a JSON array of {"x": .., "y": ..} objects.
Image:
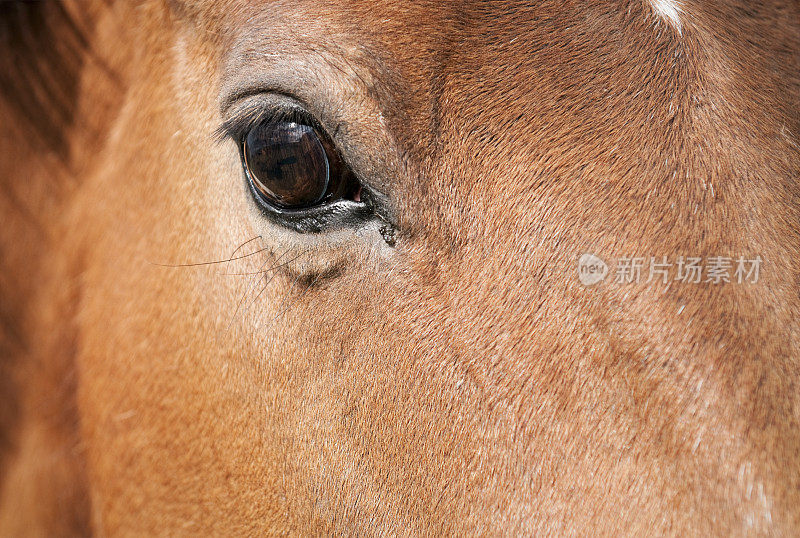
[{"x": 292, "y": 165}]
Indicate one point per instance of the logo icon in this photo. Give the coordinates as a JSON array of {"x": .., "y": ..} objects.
[{"x": 591, "y": 269}]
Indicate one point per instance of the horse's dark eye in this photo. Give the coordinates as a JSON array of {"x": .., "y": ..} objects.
[
  {"x": 291, "y": 165},
  {"x": 295, "y": 173}
]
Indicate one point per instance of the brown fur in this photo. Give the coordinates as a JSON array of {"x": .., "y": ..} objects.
[{"x": 461, "y": 381}]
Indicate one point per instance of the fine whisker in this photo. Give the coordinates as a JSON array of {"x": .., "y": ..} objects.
[
  {"x": 264, "y": 287},
  {"x": 230, "y": 258},
  {"x": 210, "y": 263},
  {"x": 251, "y": 273},
  {"x": 249, "y": 288},
  {"x": 252, "y": 284}
]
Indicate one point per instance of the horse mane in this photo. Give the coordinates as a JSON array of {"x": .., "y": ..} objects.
[{"x": 44, "y": 49}]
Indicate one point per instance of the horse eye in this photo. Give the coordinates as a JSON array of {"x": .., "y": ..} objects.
[{"x": 291, "y": 165}]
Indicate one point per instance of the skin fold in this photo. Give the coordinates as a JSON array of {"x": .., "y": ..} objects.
[{"x": 172, "y": 362}]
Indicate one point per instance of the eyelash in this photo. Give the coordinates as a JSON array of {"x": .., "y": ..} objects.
[{"x": 248, "y": 117}]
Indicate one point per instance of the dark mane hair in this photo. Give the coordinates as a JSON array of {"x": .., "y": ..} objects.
[{"x": 43, "y": 48}]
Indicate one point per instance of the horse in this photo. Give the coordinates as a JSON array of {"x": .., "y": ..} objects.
[{"x": 400, "y": 268}]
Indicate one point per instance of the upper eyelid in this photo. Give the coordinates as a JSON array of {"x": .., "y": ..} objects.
[
  {"x": 253, "y": 108},
  {"x": 245, "y": 118}
]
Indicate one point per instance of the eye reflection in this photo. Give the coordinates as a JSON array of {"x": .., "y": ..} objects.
[{"x": 288, "y": 164}]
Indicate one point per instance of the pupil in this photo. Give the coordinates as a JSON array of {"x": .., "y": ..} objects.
[{"x": 287, "y": 164}]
